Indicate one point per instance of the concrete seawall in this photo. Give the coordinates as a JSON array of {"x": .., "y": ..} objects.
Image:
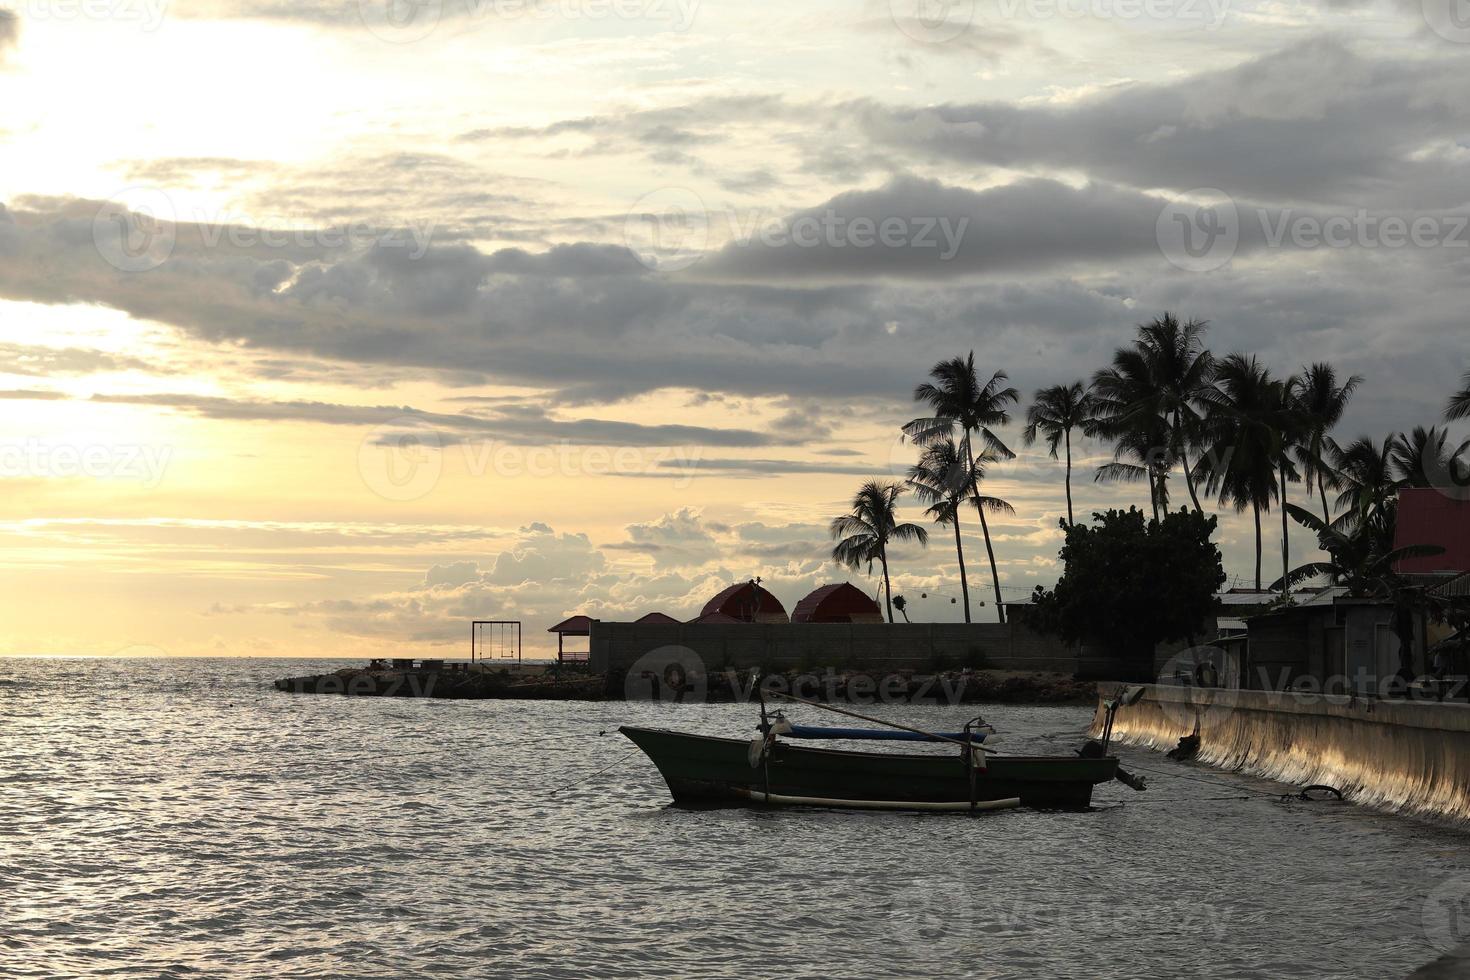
[{"x": 1404, "y": 756}]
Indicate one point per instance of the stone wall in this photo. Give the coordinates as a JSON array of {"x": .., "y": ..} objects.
[{"x": 859, "y": 646}]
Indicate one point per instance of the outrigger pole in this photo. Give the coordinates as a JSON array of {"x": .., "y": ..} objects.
[{"x": 877, "y": 721}]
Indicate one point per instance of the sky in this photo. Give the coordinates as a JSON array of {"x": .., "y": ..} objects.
[{"x": 326, "y": 328}]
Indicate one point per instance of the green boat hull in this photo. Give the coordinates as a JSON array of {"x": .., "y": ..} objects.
[{"x": 701, "y": 769}]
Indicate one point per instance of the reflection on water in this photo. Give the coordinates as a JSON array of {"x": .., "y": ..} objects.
[{"x": 178, "y": 817}]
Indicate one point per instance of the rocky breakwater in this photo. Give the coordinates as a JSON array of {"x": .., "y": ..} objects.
[{"x": 468, "y": 682}]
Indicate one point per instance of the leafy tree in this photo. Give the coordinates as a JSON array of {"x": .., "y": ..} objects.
[
  {"x": 863, "y": 535},
  {"x": 1133, "y": 583},
  {"x": 1054, "y": 414}
]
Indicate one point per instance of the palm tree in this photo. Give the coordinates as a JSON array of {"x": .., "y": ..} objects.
[
  {"x": 1459, "y": 406},
  {"x": 1244, "y": 413},
  {"x": 1366, "y": 474},
  {"x": 1322, "y": 401},
  {"x": 1422, "y": 458},
  {"x": 941, "y": 479},
  {"x": 863, "y": 535},
  {"x": 1164, "y": 376},
  {"x": 1141, "y": 450},
  {"x": 1055, "y": 413},
  {"x": 959, "y": 401}
]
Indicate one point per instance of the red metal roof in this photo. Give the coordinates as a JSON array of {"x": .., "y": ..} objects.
[
  {"x": 1429, "y": 516},
  {"x": 838, "y": 603},
  {"x": 576, "y": 626},
  {"x": 657, "y": 618},
  {"x": 748, "y": 603},
  {"x": 716, "y": 618}
]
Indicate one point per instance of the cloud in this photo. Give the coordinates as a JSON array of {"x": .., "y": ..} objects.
[
  {"x": 9, "y": 32},
  {"x": 1312, "y": 122},
  {"x": 515, "y": 425}
]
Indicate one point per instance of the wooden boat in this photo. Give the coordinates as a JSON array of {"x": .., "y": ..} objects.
[{"x": 701, "y": 769}]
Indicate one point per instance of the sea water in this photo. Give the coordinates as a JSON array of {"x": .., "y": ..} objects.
[{"x": 181, "y": 818}]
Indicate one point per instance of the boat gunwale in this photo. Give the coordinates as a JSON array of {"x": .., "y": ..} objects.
[{"x": 991, "y": 758}]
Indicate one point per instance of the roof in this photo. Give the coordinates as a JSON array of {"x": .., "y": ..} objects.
[
  {"x": 838, "y": 602},
  {"x": 657, "y": 618},
  {"x": 715, "y": 618},
  {"x": 1431, "y": 516},
  {"x": 576, "y": 626},
  {"x": 748, "y": 603}
]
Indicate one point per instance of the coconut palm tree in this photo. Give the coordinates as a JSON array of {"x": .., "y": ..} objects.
[
  {"x": 1423, "y": 458},
  {"x": 1459, "y": 406},
  {"x": 941, "y": 479},
  {"x": 1141, "y": 452},
  {"x": 863, "y": 534},
  {"x": 1365, "y": 471},
  {"x": 1322, "y": 402},
  {"x": 1163, "y": 375},
  {"x": 1054, "y": 414},
  {"x": 958, "y": 401},
  {"x": 1244, "y": 412}
]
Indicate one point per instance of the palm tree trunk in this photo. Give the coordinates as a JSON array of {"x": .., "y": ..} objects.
[
  {"x": 1000, "y": 610},
  {"x": 1285, "y": 539},
  {"x": 1184, "y": 459},
  {"x": 887, "y": 586},
  {"x": 1069, "y": 478},
  {"x": 1322, "y": 489},
  {"x": 1153, "y": 493},
  {"x": 1256, "y": 506},
  {"x": 959, "y": 550}
]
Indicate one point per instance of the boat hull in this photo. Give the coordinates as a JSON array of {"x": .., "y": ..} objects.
[{"x": 701, "y": 769}]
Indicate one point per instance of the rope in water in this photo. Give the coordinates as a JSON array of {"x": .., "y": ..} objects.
[
  {"x": 593, "y": 775},
  {"x": 1217, "y": 781}
]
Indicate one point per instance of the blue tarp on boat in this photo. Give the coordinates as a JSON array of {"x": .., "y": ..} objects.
[{"x": 876, "y": 734}]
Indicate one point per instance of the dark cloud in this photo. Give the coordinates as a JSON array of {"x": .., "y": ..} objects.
[{"x": 1315, "y": 122}]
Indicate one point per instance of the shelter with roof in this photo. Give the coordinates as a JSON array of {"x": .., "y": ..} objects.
[
  {"x": 840, "y": 602},
  {"x": 575, "y": 626},
  {"x": 746, "y": 602}
]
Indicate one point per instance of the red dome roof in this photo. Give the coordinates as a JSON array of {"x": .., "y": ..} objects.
[
  {"x": 747, "y": 602},
  {"x": 839, "y": 603}
]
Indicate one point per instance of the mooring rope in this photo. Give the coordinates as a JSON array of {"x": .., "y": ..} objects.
[
  {"x": 1219, "y": 781},
  {"x": 577, "y": 782}
]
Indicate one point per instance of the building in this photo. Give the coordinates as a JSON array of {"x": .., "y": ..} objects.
[
  {"x": 838, "y": 603},
  {"x": 1432, "y": 516},
  {"x": 748, "y": 603}
]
